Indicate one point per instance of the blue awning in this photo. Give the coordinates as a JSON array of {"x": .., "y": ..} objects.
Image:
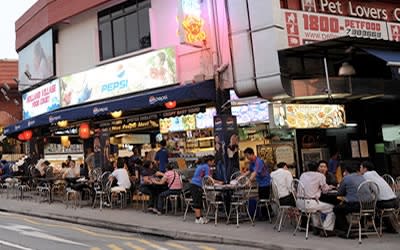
[
  {"x": 391, "y": 57},
  {"x": 204, "y": 91}
]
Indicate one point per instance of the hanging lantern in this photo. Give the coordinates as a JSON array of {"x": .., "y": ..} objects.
[
  {"x": 21, "y": 136},
  {"x": 116, "y": 114},
  {"x": 84, "y": 130},
  {"x": 27, "y": 134},
  {"x": 170, "y": 104},
  {"x": 64, "y": 140}
]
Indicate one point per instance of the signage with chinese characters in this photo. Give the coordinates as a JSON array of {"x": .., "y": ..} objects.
[
  {"x": 308, "y": 116},
  {"x": 191, "y": 24},
  {"x": 41, "y": 100},
  {"x": 148, "y": 71}
]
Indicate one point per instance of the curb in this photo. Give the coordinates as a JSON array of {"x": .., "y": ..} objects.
[{"x": 140, "y": 229}]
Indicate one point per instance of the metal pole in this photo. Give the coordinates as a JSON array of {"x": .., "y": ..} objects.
[{"x": 328, "y": 85}]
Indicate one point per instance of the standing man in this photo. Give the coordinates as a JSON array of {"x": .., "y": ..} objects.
[
  {"x": 259, "y": 171},
  {"x": 162, "y": 157}
]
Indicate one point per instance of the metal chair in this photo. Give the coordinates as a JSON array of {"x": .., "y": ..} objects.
[
  {"x": 212, "y": 197},
  {"x": 302, "y": 204},
  {"x": 235, "y": 175},
  {"x": 240, "y": 200},
  {"x": 389, "y": 180},
  {"x": 367, "y": 193},
  {"x": 100, "y": 189},
  {"x": 187, "y": 198},
  {"x": 263, "y": 203},
  {"x": 282, "y": 209}
]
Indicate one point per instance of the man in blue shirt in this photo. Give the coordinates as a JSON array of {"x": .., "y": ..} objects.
[
  {"x": 202, "y": 170},
  {"x": 5, "y": 170},
  {"x": 348, "y": 188},
  {"x": 162, "y": 157},
  {"x": 259, "y": 171}
]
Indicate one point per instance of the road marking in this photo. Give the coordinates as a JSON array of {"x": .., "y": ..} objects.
[
  {"x": 206, "y": 248},
  {"x": 129, "y": 244},
  {"x": 95, "y": 248},
  {"x": 38, "y": 233},
  {"x": 177, "y": 246},
  {"x": 5, "y": 243},
  {"x": 150, "y": 244},
  {"x": 114, "y": 247}
]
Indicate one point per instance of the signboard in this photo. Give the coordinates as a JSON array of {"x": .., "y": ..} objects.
[
  {"x": 309, "y": 115},
  {"x": 307, "y": 27},
  {"x": 41, "y": 100},
  {"x": 191, "y": 24},
  {"x": 251, "y": 113},
  {"x": 37, "y": 59},
  {"x": 148, "y": 71},
  {"x": 205, "y": 119},
  {"x": 130, "y": 124}
]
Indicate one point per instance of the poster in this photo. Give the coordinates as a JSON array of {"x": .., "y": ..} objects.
[
  {"x": 226, "y": 143},
  {"x": 355, "y": 149},
  {"x": 364, "y": 148}
]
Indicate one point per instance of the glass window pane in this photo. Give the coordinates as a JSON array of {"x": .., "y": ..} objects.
[
  {"x": 105, "y": 41},
  {"x": 119, "y": 36},
  {"x": 144, "y": 26},
  {"x": 132, "y": 31}
]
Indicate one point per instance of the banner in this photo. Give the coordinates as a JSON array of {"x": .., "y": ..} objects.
[
  {"x": 41, "y": 100},
  {"x": 226, "y": 143},
  {"x": 148, "y": 71},
  {"x": 308, "y": 27}
]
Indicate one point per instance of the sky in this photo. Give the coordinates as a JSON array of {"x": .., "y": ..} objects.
[{"x": 9, "y": 13}]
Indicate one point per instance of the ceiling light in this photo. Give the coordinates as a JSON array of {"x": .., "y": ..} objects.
[{"x": 346, "y": 70}]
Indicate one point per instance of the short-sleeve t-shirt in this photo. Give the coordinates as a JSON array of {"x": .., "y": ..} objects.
[
  {"x": 162, "y": 157},
  {"x": 201, "y": 171},
  {"x": 263, "y": 177},
  {"x": 173, "y": 180}
]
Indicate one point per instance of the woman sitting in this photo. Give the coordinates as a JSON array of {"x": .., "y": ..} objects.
[{"x": 173, "y": 179}]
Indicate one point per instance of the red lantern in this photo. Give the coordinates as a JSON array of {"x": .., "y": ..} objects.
[
  {"x": 27, "y": 134},
  {"x": 21, "y": 136},
  {"x": 170, "y": 104},
  {"x": 84, "y": 130}
]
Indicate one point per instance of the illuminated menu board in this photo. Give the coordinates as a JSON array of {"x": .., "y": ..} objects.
[{"x": 309, "y": 115}]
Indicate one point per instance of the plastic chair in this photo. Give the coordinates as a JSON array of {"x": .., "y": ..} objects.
[
  {"x": 301, "y": 204},
  {"x": 367, "y": 193}
]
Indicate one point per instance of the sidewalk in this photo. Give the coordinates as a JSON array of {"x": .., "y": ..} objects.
[{"x": 262, "y": 235}]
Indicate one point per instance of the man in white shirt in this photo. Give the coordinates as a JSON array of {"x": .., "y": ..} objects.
[
  {"x": 283, "y": 178},
  {"x": 386, "y": 198},
  {"x": 121, "y": 174},
  {"x": 314, "y": 183}
]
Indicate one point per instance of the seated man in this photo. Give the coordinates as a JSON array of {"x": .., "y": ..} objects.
[
  {"x": 283, "y": 178},
  {"x": 387, "y": 198},
  {"x": 173, "y": 179},
  {"x": 314, "y": 183},
  {"x": 120, "y": 175},
  {"x": 351, "y": 203},
  {"x": 72, "y": 171}
]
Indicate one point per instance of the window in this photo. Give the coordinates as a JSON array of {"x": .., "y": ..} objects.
[{"x": 124, "y": 28}]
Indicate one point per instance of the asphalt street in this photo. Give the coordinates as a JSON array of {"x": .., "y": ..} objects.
[{"x": 29, "y": 233}]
